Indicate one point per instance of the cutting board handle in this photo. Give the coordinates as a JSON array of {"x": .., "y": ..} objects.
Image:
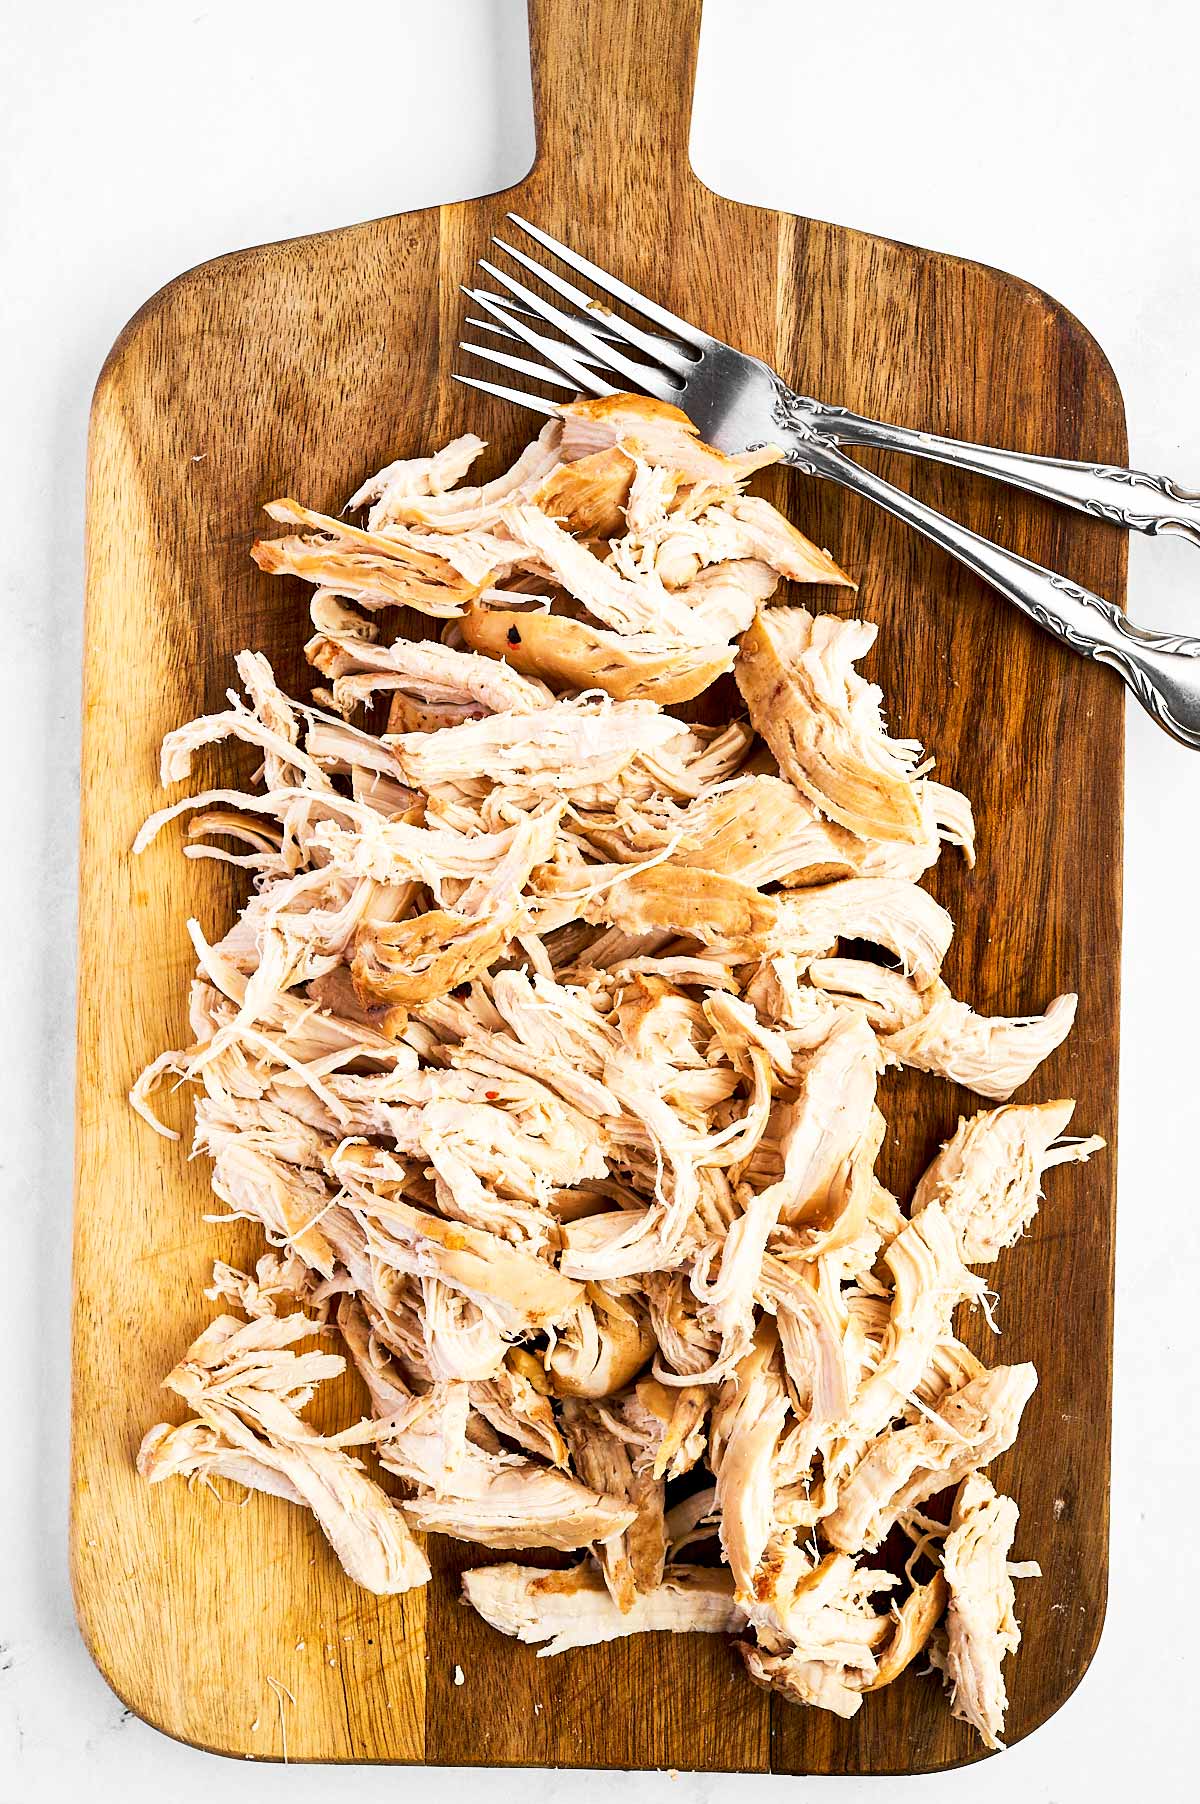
[{"x": 612, "y": 87}]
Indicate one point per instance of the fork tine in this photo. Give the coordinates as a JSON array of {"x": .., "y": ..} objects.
[
  {"x": 614, "y": 326},
  {"x": 583, "y": 378},
  {"x": 598, "y": 322},
  {"x": 491, "y": 325},
  {"x": 670, "y": 322},
  {"x": 538, "y": 403},
  {"x": 653, "y": 381},
  {"x": 522, "y": 365}
]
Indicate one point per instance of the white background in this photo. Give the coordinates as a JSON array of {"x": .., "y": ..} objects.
[{"x": 1054, "y": 138}]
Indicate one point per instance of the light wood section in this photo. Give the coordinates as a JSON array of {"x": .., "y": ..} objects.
[{"x": 296, "y": 369}]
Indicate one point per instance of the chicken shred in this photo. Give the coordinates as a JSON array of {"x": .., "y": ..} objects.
[
  {"x": 549, "y": 1056},
  {"x": 981, "y": 1627}
]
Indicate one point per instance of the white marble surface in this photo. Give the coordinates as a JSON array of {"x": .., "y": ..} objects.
[{"x": 1051, "y": 137}]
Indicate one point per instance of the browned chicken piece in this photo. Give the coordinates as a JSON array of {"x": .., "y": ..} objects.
[
  {"x": 599, "y": 1348},
  {"x": 413, "y": 961},
  {"x": 756, "y": 827},
  {"x": 747, "y": 1421},
  {"x": 632, "y": 1562},
  {"x": 822, "y": 721},
  {"x": 904, "y": 1466},
  {"x": 334, "y": 992},
  {"x": 374, "y": 571},
  {"x": 992, "y": 1055},
  {"x": 521, "y": 1413},
  {"x": 246, "y": 1387},
  {"x": 987, "y": 1177},
  {"x": 915, "y": 1622},
  {"x": 501, "y": 1500},
  {"x": 573, "y": 654},
  {"x": 657, "y": 434},
  {"x": 830, "y": 850},
  {"x": 886, "y": 911},
  {"x": 587, "y": 496},
  {"x": 475, "y": 509},
  {"x": 574, "y": 1609},
  {"x": 524, "y": 1292},
  {"x": 981, "y": 1624},
  {"x": 820, "y": 851},
  {"x": 816, "y": 1627},
  {"x": 664, "y": 1425},
  {"x": 715, "y": 909},
  {"x": 405, "y": 713}
]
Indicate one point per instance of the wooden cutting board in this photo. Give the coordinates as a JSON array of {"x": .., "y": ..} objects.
[{"x": 297, "y": 368}]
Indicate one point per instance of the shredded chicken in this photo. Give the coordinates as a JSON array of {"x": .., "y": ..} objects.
[
  {"x": 822, "y": 721},
  {"x": 986, "y": 1179},
  {"x": 246, "y": 1387},
  {"x": 981, "y": 1627},
  {"x": 549, "y": 1055},
  {"x": 573, "y": 1608}
]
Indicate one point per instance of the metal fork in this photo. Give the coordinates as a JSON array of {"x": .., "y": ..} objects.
[{"x": 738, "y": 403}]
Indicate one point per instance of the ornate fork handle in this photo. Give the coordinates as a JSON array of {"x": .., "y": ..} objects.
[
  {"x": 1162, "y": 669},
  {"x": 1131, "y": 498}
]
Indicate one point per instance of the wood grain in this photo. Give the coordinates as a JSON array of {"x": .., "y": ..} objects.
[{"x": 298, "y": 367}]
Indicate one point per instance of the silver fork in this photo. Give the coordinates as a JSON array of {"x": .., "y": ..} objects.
[{"x": 738, "y": 403}]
